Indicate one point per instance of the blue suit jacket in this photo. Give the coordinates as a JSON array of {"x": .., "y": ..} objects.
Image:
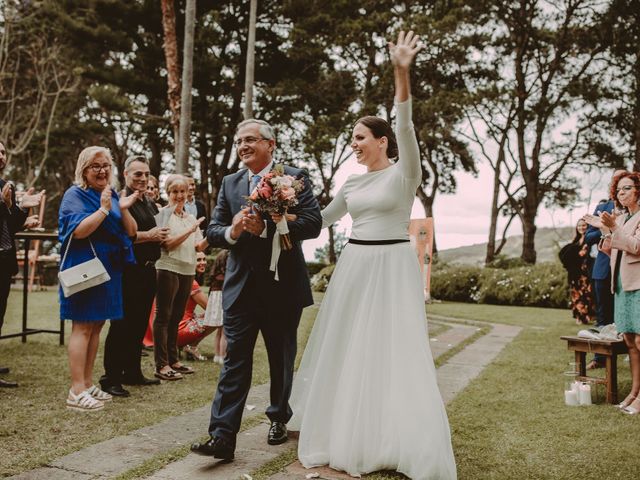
[
  {"x": 601, "y": 268},
  {"x": 251, "y": 255}
]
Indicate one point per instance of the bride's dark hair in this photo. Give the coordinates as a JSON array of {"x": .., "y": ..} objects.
[{"x": 381, "y": 128}]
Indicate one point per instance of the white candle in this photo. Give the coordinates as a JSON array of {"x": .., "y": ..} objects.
[
  {"x": 575, "y": 386},
  {"x": 571, "y": 397},
  {"x": 585, "y": 394}
]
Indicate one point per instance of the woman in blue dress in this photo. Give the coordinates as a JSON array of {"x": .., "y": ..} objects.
[{"x": 92, "y": 215}]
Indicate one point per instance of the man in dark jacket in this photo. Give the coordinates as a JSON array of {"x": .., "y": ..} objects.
[
  {"x": 254, "y": 297},
  {"x": 12, "y": 219}
]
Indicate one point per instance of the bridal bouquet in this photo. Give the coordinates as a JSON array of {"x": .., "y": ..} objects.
[{"x": 276, "y": 193}]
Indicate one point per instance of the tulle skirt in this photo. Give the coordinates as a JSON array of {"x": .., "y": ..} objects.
[
  {"x": 213, "y": 314},
  {"x": 365, "y": 397}
]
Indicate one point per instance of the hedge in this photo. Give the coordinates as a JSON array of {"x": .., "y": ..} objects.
[{"x": 541, "y": 285}]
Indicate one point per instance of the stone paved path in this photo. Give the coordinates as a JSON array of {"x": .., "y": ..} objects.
[{"x": 119, "y": 455}]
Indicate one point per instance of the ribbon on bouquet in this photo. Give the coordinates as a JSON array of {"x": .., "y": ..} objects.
[{"x": 281, "y": 229}]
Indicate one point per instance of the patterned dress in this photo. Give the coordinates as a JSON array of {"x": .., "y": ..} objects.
[{"x": 582, "y": 304}]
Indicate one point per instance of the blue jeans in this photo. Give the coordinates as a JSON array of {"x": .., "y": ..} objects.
[{"x": 604, "y": 306}]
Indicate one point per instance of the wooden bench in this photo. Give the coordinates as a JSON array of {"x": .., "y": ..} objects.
[{"x": 610, "y": 350}]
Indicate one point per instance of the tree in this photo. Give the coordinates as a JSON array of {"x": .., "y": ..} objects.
[
  {"x": 170, "y": 45},
  {"x": 541, "y": 55},
  {"x": 184, "y": 139}
]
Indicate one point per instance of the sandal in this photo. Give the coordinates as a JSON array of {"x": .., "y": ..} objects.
[
  {"x": 83, "y": 402},
  {"x": 193, "y": 353},
  {"x": 168, "y": 375},
  {"x": 184, "y": 369},
  {"x": 98, "y": 394}
]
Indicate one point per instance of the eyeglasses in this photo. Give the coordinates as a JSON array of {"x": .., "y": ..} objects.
[
  {"x": 95, "y": 168},
  {"x": 247, "y": 140},
  {"x": 626, "y": 188}
]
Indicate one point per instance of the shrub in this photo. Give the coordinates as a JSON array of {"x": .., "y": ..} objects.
[
  {"x": 321, "y": 279},
  {"x": 315, "y": 267},
  {"x": 541, "y": 285}
]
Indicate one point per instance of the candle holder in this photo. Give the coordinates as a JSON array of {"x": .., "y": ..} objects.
[{"x": 571, "y": 388}]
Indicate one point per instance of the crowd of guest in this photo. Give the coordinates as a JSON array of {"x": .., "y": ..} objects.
[{"x": 132, "y": 255}]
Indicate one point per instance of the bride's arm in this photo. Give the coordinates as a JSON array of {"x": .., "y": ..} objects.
[
  {"x": 336, "y": 209},
  {"x": 402, "y": 55}
]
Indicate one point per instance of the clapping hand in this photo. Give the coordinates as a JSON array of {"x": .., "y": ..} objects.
[
  {"x": 253, "y": 223},
  {"x": 609, "y": 220},
  {"x": 105, "y": 198},
  {"x": 32, "y": 222},
  {"x": 403, "y": 52},
  {"x": 159, "y": 234},
  {"x": 6, "y": 194},
  {"x": 127, "y": 201},
  {"x": 593, "y": 220},
  {"x": 29, "y": 200},
  {"x": 196, "y": 225}
]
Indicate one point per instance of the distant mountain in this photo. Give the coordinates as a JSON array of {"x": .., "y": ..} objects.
[{"x": 548, "y": 243}]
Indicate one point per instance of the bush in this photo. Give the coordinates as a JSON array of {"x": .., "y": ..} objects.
[
  {"x": 321, "y": 279},
  {"x": 315, "y": 267},
  {"x": 541, "y": 285}
]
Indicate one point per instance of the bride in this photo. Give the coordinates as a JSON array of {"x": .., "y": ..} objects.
[{"x": 365, "y": 397}]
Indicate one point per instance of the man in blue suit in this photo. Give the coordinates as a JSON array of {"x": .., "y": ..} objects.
[
  {"x": 252, "y": 299},
  {"x": 601, "y": 278}
]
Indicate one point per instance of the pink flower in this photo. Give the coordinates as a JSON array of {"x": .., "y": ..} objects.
[
  {"x": 287, "y": 193},
  {"x": 264, "y": 190},
  {"x": 254, "y": 195}
]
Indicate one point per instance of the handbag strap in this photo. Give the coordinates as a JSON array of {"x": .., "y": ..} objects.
[{"x": 64, "y": 257}]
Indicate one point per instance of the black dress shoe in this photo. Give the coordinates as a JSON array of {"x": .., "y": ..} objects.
[
  {"x": 277, "y": 433},
  {"x": 4, "y": 370},
  {"x": 141, "y": 380},
  {"x": 215, "y": 447},
  {"x": 115, "y": 390},
  {"x": 8, "y": 384}
]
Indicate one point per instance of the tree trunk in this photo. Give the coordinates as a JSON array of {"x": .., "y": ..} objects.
[
  {"x": 528, "y": 219},
  {"x": 495, "y": 211},
  {"x": 251, "y": 61},
  {"x": 184, "y": 142},
  {"x": 170, "y": 46}
]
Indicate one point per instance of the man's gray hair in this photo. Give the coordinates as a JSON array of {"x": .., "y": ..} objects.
[
  {"x": 265, "y": 129},
  {"x": 135, "y": 158}
]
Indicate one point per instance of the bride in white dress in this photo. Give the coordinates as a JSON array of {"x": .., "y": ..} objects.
[{"x": 365, "y": 397}]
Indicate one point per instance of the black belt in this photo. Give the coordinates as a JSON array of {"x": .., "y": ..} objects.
[{"x": 376, "y": 242}]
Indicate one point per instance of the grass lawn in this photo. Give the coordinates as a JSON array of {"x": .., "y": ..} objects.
[
  {"x": 510, "y": 422},
  {"x": 35, "y": 425}
]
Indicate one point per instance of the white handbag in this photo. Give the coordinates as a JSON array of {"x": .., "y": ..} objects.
[{"x": 82, "y": 276}]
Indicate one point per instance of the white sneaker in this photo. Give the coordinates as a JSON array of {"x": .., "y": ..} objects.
[
  {"x": 591, "y": 334},
  {"x": 218, "y": 359},
  {"x": 609, "y": 332}
]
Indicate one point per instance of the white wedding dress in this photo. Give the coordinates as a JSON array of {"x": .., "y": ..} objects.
[{"x": 365, "y": 397}]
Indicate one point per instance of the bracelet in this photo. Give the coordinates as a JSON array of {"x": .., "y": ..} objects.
[
  {"x": 605, "y": 235},
  {"x": 104, "y": 211}
]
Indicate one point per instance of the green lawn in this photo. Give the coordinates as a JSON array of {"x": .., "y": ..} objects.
[
  {"x": 35, "y": 425},
  {"x": 511, "y": 422}
]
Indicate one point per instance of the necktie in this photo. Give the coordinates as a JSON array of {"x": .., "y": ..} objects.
[{"x": 255, "y": 180}]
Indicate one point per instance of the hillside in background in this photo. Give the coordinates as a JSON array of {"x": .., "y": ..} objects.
[{"x": 548, "y": 244}]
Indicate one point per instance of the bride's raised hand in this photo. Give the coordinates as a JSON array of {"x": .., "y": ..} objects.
[{"x": 404, "y": 50}]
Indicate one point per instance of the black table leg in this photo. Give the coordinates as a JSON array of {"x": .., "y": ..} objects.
[{"x": 25, "y": 285}]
